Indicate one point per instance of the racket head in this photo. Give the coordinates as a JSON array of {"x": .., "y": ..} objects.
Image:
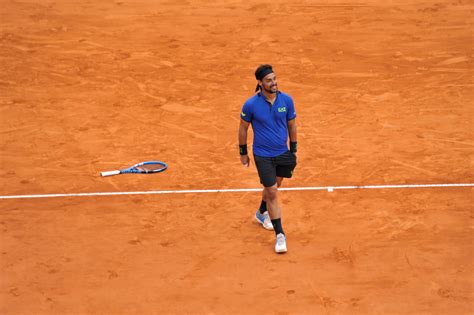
[{"x": 148, "y": 167}]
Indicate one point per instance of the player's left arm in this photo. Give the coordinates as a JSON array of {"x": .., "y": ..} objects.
[
  {"x": 291, "y": 121},
  {"x": 292, "y": 133},
  {"x": 292, "y": 130}
]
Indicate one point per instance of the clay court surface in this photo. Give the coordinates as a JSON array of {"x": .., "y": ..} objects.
[{"x": 383, "y": 92}]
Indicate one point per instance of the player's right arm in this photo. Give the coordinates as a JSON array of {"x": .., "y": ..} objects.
[{"x": 243, "y": 130}]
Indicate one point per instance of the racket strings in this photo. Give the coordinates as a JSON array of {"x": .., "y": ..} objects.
[{"x": 150, "y": 167}]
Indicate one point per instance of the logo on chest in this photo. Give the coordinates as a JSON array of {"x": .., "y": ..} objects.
[{"x": 282, "y": 109}]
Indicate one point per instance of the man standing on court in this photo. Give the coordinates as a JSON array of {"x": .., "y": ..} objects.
[{"x": 272, "y": 115}]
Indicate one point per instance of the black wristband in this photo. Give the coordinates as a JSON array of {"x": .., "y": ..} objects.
[
  {"x": 293, "y": 146},
  {"x": 243, "y": 149}
]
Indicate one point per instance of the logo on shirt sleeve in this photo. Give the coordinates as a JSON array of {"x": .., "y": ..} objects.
[{"x": 243, "y": 114}]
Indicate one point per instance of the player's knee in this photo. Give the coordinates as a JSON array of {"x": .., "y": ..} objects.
[{"x": 271, "y": 192}]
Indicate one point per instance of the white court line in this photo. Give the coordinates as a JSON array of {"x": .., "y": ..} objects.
[{"x": 200, "y": 191}]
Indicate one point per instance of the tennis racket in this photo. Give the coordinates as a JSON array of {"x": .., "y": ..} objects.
[{"x": 140, "y": 168}]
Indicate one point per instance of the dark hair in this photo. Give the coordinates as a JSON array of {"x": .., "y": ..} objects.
[{"x": 261, "y": 72}]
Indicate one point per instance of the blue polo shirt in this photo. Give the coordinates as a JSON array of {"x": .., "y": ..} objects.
[{"x": 269, "y": 123}]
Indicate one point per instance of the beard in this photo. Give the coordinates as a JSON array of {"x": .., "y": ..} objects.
[{"x": 272, "y": 89}]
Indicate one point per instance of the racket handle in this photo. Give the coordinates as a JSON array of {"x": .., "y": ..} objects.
[{"x": 109, "y": 173}]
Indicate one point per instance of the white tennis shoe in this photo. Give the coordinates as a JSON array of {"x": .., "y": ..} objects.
[
  {"x": 264, "y": 220},
  {"x": 280, "y": 244}
]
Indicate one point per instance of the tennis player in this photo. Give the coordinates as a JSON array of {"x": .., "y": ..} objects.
[{"x": 272, "y": 116}]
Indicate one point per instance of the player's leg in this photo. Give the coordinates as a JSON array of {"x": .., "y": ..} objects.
[
  {"x": 263, "y": 204},
  {"x": 266, "y": 172},
  {"x": 271, "y": 195},
  {"x": 285, "y": 165},
  {"x": 268, "y": 177},
  {"x": 273, "y": 204}
]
